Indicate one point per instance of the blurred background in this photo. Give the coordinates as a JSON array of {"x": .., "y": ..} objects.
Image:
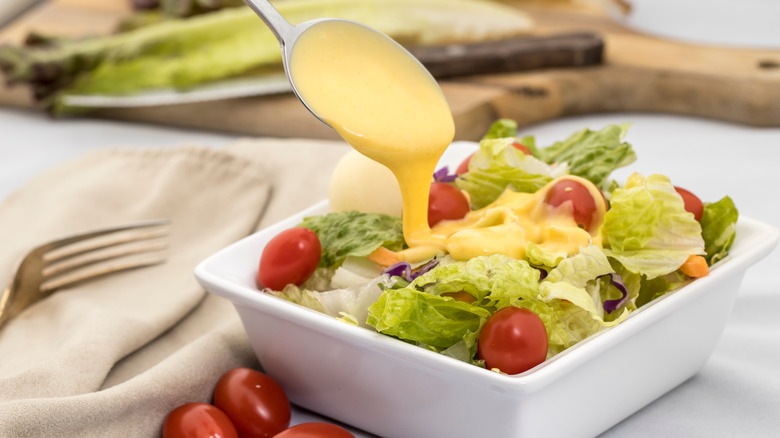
[{"x": 699, "y": 80}]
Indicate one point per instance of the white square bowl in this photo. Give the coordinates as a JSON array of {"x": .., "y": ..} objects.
[{"x": 394, "y": 389}]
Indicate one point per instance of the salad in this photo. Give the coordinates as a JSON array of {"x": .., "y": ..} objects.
[{"x": 543, "y": 250}]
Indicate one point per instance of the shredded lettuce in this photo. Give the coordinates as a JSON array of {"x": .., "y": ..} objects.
[
  {"x": 575, "y": 280},
  {"x": 498, "y": 166},
  {"x": 653, "y": 288},
  {"x": 718, "y": 228},
  {"x": 569, "y": 301},
  {"x": 353, "y": 233},
  {"x": 424, "y": 318},
  {"x": 501, "y": 128},
  {"x": 541, "y": 258},
  {"x": 495, "y": 281},
  {"x": 592, "y": 155},
  {"x": 350, "y": 304},
  {"x": 647, "y": 228}
]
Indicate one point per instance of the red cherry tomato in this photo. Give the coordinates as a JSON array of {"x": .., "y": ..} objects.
[
  {"x": 513, "y": 340},
  {"x": 522, "y": 148},
  {"x": 446, "y": 201},
  {"x": 290, "y": 257},
  {"x": 464, "y": 166},
  {"x": 583, "y": 204},
  {"x": 198, "y": 420},
  {"x": 692, "y": 203},
  {"x": 315, "y": 430},
  {"x": 255, "y": 403}
]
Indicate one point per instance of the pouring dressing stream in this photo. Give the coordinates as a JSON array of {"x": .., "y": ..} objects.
[{"x": 377, "y": 96}]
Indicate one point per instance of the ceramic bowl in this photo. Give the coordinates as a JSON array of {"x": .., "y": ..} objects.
[{"x": 394, "y": 389}]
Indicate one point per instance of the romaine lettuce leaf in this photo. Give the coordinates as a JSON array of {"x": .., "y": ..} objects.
[
  {"x": 566, "y": 323},
  {"x": 647, "y": 228},
  {"x": 718, "y": 228},
  {"x": 498, "y": 166},
  {"x": 538, "y": 257},
  {"x": 418, "y": 313},
  {"x": 575, "y": 280},
  {"x": 592, "y": 155},
  {"x": 420, "y": 317},
  {"x": 353, "y": 233},
  {"x": 651, "y": 289},
  {"x": 501, "y": 128},
  {"x": 495, "y": 281}
]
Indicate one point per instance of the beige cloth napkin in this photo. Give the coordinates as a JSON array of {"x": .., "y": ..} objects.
[{"x": 113, "y": 356}]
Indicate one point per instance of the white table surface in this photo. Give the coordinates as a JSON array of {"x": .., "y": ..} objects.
[{"x": 737, "y": 393}]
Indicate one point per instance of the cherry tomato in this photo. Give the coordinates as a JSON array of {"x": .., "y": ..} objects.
[
  {"x": 522, "y": 148},
  {"x": 255, "y": 403},
  {"x": 315, "y": 430},
  {"x": 692, "y": 203},
  {"x": 464, "y": 166},
  {"x": 290, "y": 257},
  {"x": 513, "y": 340},
  {"x": 446, "y": 201},
  {"x": 198, "y": 420},
  {"x": 583, "y": 204}
]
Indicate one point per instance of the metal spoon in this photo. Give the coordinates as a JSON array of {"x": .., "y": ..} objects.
[{"x": 287, "y": 34}]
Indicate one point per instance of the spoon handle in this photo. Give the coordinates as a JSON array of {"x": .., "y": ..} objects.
[{"x": 281, "y": 28}]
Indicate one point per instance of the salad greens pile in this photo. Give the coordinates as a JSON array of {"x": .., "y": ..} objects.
[{"x": 647, "y": 234}]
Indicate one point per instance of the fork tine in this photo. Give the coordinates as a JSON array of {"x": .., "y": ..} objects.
[
  {"x": 108, "y": 240},
  {"x": 68, "y": 240},
  {"x": 82, "y": 276},
  {"x": 73, "y": 263}
]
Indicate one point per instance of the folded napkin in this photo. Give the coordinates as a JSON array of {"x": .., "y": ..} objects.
[{"x": 113, "y": 356}]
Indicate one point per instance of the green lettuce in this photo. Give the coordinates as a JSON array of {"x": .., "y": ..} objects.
[
  {"x": 592, "y": 155},
  {"x": 507, "y": 128},
  {"x": 428, "y": 319},
  {"x": 575, "y": 280},
  {"x": 501, "y": 128},
  {"x": 566, "y": 323},
  {"x": 718, "y": 228},
  {"x": 568, "y": 301},
  {"x": 353, "y": 233},
  {"x": 651, "y": 289},
  {"x": 418, "y": 313},
  {"x": 498, "y": 166},
  {"x": 349, "y": 304},
  {"x": 647, "y": 228},
  {"x": 495, "y": 281},
  {"x": 538, "y": 257}
]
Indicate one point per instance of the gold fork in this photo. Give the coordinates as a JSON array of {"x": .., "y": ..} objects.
[{"x": 78, "y": 258}]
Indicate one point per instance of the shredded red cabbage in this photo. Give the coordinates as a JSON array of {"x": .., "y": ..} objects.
[
  {"x": 611, "y": 305},
  {"x": 443, "y": 175},
  {"x": 404, "y": 270},
  {"x": 400, "y": 269}
]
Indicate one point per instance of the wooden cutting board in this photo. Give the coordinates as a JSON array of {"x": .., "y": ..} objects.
[{"x": 638, "y": 73}]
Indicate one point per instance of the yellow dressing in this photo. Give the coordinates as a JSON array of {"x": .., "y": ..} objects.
[
  {"x": 513, "y": 220},
  {"x": 391, "y": 110}
]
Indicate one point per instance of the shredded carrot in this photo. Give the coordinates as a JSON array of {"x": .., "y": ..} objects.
[
  {"x": 695, "y": 266},
  {"x": 383, "y": 256}
]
